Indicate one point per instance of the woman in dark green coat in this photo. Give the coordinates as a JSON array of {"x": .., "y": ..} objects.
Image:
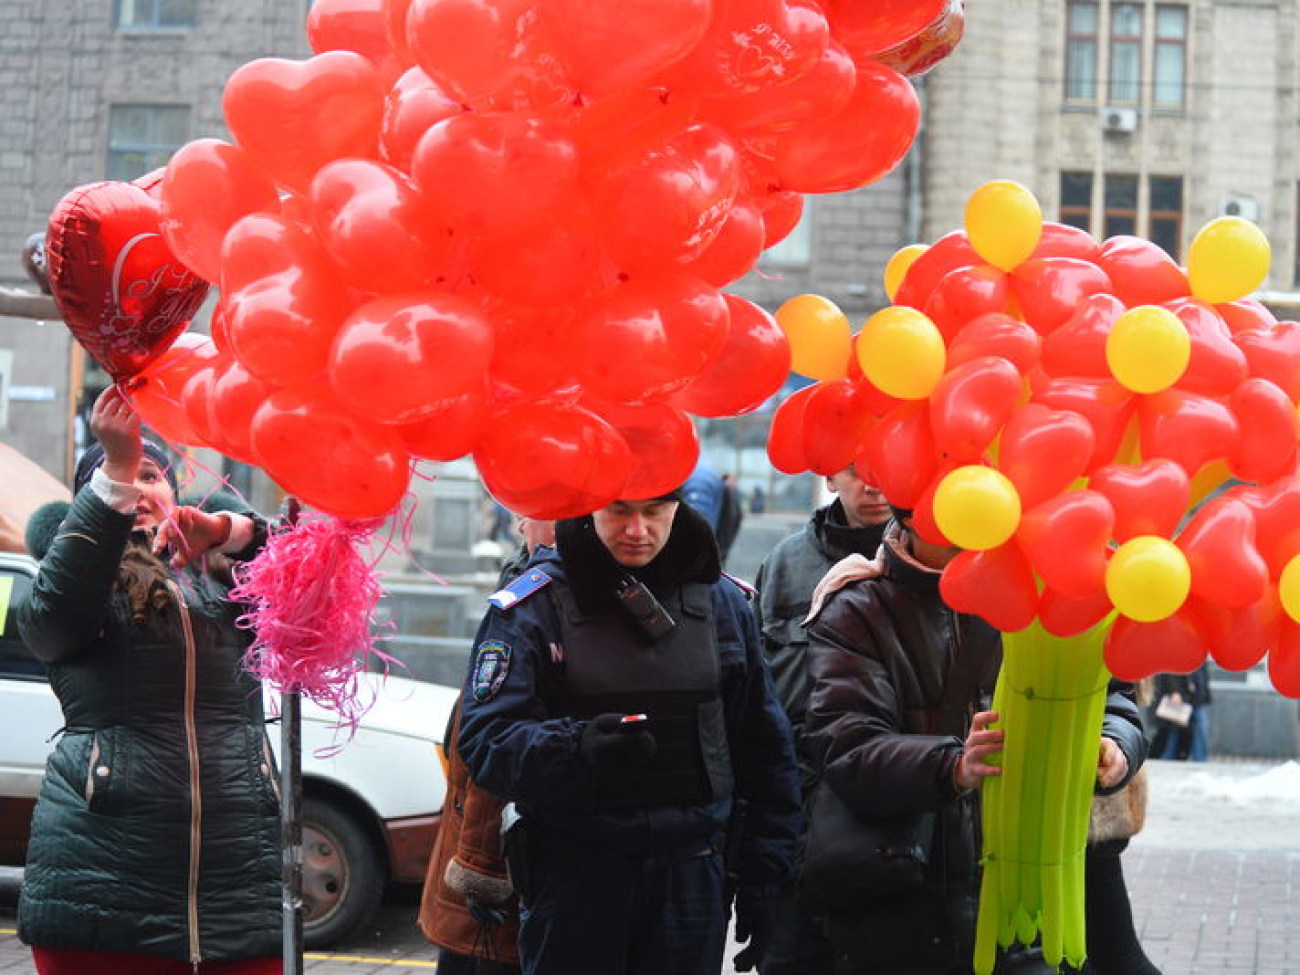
[{"x": 154, "y": 843}]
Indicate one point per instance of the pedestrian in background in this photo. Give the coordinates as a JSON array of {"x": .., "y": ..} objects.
[
  {"x": 852, "y": 524},
  {"x": 155, "y": 840},
  {"x": 468, "y": 907},
  {"x": 620, "y": 700}
]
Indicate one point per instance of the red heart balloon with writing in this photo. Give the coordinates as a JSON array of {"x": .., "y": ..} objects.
[{"x": 120, "y": 290}]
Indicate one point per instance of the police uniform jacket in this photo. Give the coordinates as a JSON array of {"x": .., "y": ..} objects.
[
  {"x": 520, "y": 741},
  {"x": 880, "y": 654}
]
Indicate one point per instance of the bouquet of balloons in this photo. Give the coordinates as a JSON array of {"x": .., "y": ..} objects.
[
  {"x": 1111, "y": 439},
  {"x": 491, "y": 227}
]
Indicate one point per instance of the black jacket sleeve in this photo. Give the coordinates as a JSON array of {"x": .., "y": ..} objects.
[{"x": 68, "y": 604}]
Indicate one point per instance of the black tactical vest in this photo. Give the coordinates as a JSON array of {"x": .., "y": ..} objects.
[{"x": 611, "y": 666}]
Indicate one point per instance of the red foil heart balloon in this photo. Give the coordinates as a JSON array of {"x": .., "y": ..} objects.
[{"x": 120, "y": 290}]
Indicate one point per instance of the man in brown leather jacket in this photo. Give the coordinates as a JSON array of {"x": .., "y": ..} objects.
[
  {"x": 886, "y": 734},
  {"x": 468, "y": 907}
]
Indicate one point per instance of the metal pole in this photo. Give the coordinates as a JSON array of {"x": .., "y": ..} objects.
[
  {"x": 291, "y": 804},
  {"x": 291, "y": 827}
]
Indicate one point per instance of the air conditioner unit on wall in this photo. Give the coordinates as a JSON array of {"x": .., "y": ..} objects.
[
  {"x": 1119, "y": 119},
  {"x": 1246, "y": 207}
]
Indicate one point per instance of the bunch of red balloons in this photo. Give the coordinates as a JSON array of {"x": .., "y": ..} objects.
[
  {"x": 1102, "y": 431},
  {"x": 500, "y": 227}
]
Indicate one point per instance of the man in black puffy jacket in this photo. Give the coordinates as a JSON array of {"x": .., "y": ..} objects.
[
  {"x": 885, "y": 732},
  {"x": 852, "y": 524}
]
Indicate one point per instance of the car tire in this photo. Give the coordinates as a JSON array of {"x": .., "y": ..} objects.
[{"x": 343, "y": 874}]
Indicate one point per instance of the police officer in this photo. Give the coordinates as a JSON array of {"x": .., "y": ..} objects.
[{"x": 619, "y": 698}]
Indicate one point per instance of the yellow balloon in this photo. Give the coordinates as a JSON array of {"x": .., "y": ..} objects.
[
  {"x": 820, "y": 336},
  {"x": 1228, "y": 259},
  {"x": 1148, "y": 578},
  {"x": 899, "y": 265},
  {"x": 1003, "y": 223},
  {"x": 1288, "y": 588},
  {"x": 977, "y": 507},
  {"x": 902, "y": 352},
  {"x": 1148, "y": 349}
]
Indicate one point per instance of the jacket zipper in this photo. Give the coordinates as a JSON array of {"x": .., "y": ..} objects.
[
  {"x": 192, "y": 750},
  {"x": 270, "y": 767},
  {"x": 90, "y": 769}
]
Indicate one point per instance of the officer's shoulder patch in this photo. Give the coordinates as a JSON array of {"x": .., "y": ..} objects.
[
  {"x": 527, "y": 583},
  {"x": 749, "y": 591},
  {"x": 491, "y": 664}
]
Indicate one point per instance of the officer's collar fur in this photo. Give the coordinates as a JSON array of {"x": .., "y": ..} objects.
[{"x": 691, "y": 555}]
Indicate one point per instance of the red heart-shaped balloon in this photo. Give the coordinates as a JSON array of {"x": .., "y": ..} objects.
[
  {"x": 997, "y": 334},
  {"x": 1105, "y": 404},
  {"x": 120, "y": 290},
  {"x": 834, "y": 422},
  {"x": 378, "y": 229},
  {"x": 1277, "y": 521},
  {"x": 1189, "y": 429},
  {"x": 1219, "y": 543},
  {"x": 1266, "y": 449},
  {"x": 1238, "y": 638},
  {"x": 1078, "y": 348},
  {"x": 970, "y": 405},
  {"x": 1067, "y": 541},
  {"x": 1148, "y": 500},
  {"x": 753, "y": 46},
  {"x": 1169, "y": 646},
  {"x": 1049, "y": 289},
  {"x": 997, "y": 585},
  {"x": 1284, "y": 660},
  {"x": 1216, "y": 365},
  {"x": 293, "y": 117},
  {"x": 899, "y": 450},
  {"x": 964, "y": 294},
  {"x": 1072, "y": 615},
  {"x": 1273, "y": 353},
  {"x": 1044, "y": 450},
  {"x": 1141, "y": 272}
]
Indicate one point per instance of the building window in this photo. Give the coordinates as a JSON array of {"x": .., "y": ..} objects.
[
  {"x": 1121, "y": 205},
  {"x": 155, "y": 14},
  {"x": 1076, "y": 200},
  {"x": 142, "y": 138},
  {"x": 1170, "y": 57},
  {"x": 1165, "y": 213},
  {"x": 1125, "y": 83},
  {"x": 1081, "y": 53},
  {"x": 797, "y": 247}
]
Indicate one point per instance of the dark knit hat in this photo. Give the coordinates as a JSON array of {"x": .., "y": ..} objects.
[{"x": 93, "y": 459}]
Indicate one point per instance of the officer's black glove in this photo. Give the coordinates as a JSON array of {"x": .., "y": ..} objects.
[
  {"x": 755, "y": 918},
  {"x": 608, "y": 743}
]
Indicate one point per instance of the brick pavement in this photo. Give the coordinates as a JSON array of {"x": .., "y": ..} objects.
[{"x": 1215, "y": 883}]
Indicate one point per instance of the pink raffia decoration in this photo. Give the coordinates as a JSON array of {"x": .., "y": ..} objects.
[{"x": 311, "y": 597}]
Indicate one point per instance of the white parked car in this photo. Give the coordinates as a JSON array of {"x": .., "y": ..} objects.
[{"x": 371, "y": 809}]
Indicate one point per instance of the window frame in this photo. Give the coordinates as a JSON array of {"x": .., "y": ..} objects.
[
  {"x": 1159, "y": 44},
  {"x": 1088, "y": 48},
  {"x": 155, "y": 154},
  {"x": 151, "y": 24}
]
